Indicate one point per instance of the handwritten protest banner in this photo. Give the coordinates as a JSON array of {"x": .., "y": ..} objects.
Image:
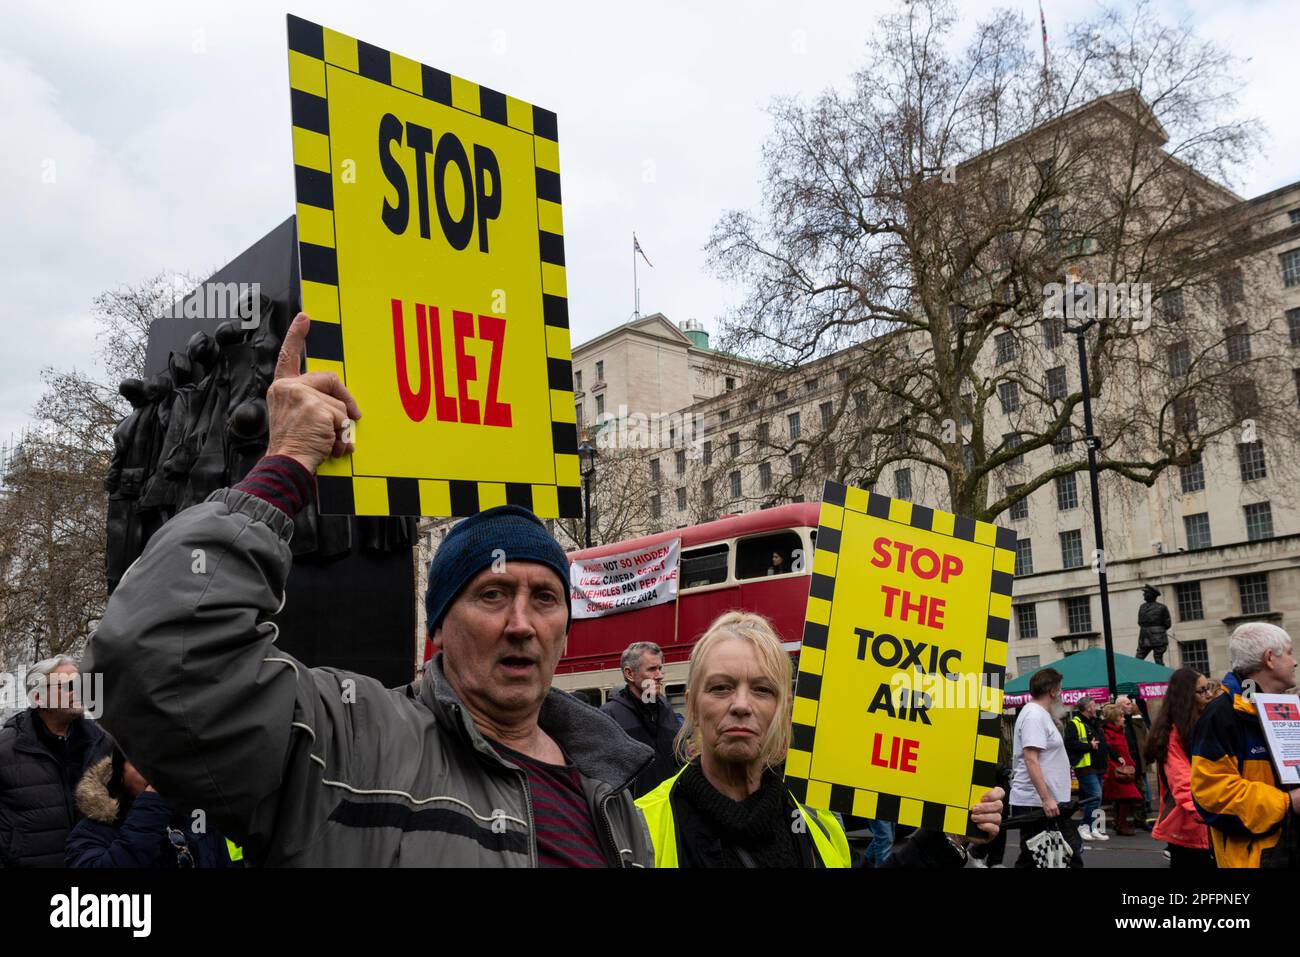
[{"x": 623, "y": 582}]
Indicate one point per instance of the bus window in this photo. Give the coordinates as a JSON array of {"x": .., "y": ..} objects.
[
  {"x": 757, "y": 556},
  {"x": 589, "y": 696},
  {"x": 704, "y": 566}
]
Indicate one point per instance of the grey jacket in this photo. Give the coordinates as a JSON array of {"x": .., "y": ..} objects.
[{"x": 315, "y": 766}]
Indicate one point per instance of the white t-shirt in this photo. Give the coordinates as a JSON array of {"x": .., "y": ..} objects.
[{"x": 1036, "y": 729}]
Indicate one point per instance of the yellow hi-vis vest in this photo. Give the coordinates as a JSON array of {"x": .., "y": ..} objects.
[
  {"x": 1086, "y": 760},
  {"x": 828, "y": 837},
  {"x": 234, "y": 850}
]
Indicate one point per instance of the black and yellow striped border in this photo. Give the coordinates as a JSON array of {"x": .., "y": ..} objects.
[
  {"x": 311, "y": 47},
  {"x": 836, "y": 500}
]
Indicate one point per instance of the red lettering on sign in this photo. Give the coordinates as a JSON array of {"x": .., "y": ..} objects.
[
  {"x": 902, "y": 754},
  {"x": 444, "y": 404},
  {"x": 415, "y": 403},
  {"x": 493, "y": 330},
  {"x": 466, "y": 367}
]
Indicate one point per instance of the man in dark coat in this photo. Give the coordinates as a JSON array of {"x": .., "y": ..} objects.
[
  {"x": 639, "y": 709},
  {"x": 1153, "y": 626},
  {"x": 43, "y": 753}
]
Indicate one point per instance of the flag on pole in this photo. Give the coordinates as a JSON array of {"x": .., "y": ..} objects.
[
  {"x": 636, "y": 247},
  {"x": 1043, "y": 20}
]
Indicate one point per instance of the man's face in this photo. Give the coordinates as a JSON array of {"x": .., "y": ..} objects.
[
  {"x": 1125, "y": 704},
  {"x": 1088, "y": 709},
  {"x": 737, "y": 702},
  {"x": 1280, "y": 668},
  {"x": 502, "y": 638},
  {"x": 57, "y": 693},
  {"x": 648, "y": 677}
]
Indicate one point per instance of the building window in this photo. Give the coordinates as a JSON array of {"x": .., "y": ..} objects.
[
  {"x": 1232, "y": 287},
  {"x": 733, "y": 444},
  {"x": 1180, "y": 358},
  {"x": 1056, "y": 384},
  {"x": 1192, "y": 477},
  {"x": 1019, "y": 508},
  {"x": 1290, "y": 268},
  {"x": 1013, "y": 440},
  {"x": 796, "y": 465},
  {"x": 1053, "y": 332},
  {"x": 1259, "y": 521},
  {"x": 656, "y": 506},
  {"x": 654, "y": 470},
  {"x": 1190, "y": 607},
  {"x": 1195, "y": 655},
  {"x": 1006, "y": 345},
  {"x": 968, "y": 456},
  {"x": 577, "y": 381},
  {"x": 1254, "y": 593},
  {"x": 764, "y": 434},
  {"x": 828, "y": 411},
  {"x": 708, "y": 452},
  {"x": 577, "y": 413},
  {"x": 793, "y": 420},
  {"x": 735, "y": 485},
  {"x": 1024, "y": 557},
  {"x": 811, "y": 385},
  {"x": 706, "y": 489},
  {"x": 1009, "y": 395},
  {"x": 681, "y": 462},
  {"x": 903, "y": 484},
  {"x": 1067, "y": 491},
  {"x": 600, "y": 371},
  {"x": 1072, "y": 549},
  {"x": 1052, "y": 228},
  {"x": 782, "y": 395},
  {"x": 751, "y": 405},
  {"x": 765, "y": 476},
  {"x": 1250, "y": 456},
  {"x": 1238, "y": 342},
  {"x": 860, "y": 400},
  {"x": 1294, "y": 216},
  {"x": 600, "y": 407},
  {"x": 1027, "y": 664},
  {"x": 1064, "y": 441},
  {"x": 681, "y": 500},
  {"x": 1027, "y": 627},
  {"x": 1197, "y": 529},
  {"x": 730, "y": 383},
  {"x": 724, "y": 415},
  {"x": 1293, "y": 325},
  {"x": 1173, "y": 305},
  {"x": 1078, "y": 614},
  {"x": 1185, "y": 418},
  {"x": 843, "y": 373}
]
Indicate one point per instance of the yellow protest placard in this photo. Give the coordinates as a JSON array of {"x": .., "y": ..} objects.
[
  {"x": 899, "y": 696},
  {"x": 431, "y": 249}
]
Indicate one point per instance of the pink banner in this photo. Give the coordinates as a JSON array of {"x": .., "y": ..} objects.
[{"x": 1155, "y": 689}]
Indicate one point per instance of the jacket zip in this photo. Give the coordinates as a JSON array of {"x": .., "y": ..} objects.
[
  {"x": 609, "y": 828},
  {"x": 532, "y": 819}
]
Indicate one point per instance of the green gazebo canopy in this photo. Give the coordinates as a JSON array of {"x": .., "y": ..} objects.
[{"x": 1087, "y": 669}]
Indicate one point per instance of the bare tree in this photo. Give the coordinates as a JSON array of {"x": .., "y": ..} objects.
[
  {"x": 622, "y": 500},
  {"x": 923, "y": 217}
]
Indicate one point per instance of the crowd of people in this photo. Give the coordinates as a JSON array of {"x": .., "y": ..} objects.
[
  {"x": 481, "y": 762},
  {"x": 1218, "y": 800}
]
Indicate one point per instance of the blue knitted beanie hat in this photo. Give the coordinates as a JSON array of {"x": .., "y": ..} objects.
[{"x": 473, "y": 545}]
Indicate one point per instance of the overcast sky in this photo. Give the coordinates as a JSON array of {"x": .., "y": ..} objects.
[{"x": 165, "y": 130}]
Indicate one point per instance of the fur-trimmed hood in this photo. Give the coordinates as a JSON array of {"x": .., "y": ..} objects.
[{"x": 93, "y": 799}]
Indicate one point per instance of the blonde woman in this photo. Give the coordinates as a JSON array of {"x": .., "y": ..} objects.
[{"x": 728, "y": 807}]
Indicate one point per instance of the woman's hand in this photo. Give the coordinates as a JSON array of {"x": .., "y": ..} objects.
[{"x": 987, "y": 816}]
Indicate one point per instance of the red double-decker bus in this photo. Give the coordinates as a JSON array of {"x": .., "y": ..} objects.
[{"x": 725, "y": 565}]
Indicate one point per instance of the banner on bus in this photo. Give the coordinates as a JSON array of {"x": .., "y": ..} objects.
[
  {"x": 899, "y": 697},
  {"x": 431, "y": 250},
  {"x": 626, "y": 581}
]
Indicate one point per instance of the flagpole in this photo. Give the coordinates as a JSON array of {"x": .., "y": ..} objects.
[{"x": 636, "y": 289}]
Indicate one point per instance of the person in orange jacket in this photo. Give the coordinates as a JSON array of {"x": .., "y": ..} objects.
[{"x": 1179, "y": 825}]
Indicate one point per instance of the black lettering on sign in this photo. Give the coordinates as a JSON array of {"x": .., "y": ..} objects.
[{"x": 480, "y": 187}]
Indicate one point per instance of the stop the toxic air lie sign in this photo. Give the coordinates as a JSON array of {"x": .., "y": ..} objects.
[{"x": 432, "y": 254}]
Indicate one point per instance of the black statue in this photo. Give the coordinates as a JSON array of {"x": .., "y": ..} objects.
[{"x": 1153, "y": 626}]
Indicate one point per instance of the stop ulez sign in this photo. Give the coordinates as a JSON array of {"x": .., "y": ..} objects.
[
  {"x": 431, "y": 248},
  {"x": 898, "y": 699}
]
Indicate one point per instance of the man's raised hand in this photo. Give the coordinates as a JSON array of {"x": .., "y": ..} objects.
[{"x": 309, "y": 413}]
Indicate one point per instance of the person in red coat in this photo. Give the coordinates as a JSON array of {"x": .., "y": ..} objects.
[
  {"x": 1179, "y": 825},
  {"x": 1121, "y": 769}
]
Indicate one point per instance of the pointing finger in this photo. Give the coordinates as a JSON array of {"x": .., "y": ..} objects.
[{"x": 289, "y": 364}]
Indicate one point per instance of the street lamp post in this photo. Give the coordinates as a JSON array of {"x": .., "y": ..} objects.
[
  {"x": 1092, "y": 443},
  {"x": 587, "y": 463}
]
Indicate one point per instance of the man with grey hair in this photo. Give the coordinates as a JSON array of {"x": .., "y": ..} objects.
[
  {"x": 1234, "y": 786},
  {"x": 640, "y": 710},
  {"x": 43, "y": 753}
]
